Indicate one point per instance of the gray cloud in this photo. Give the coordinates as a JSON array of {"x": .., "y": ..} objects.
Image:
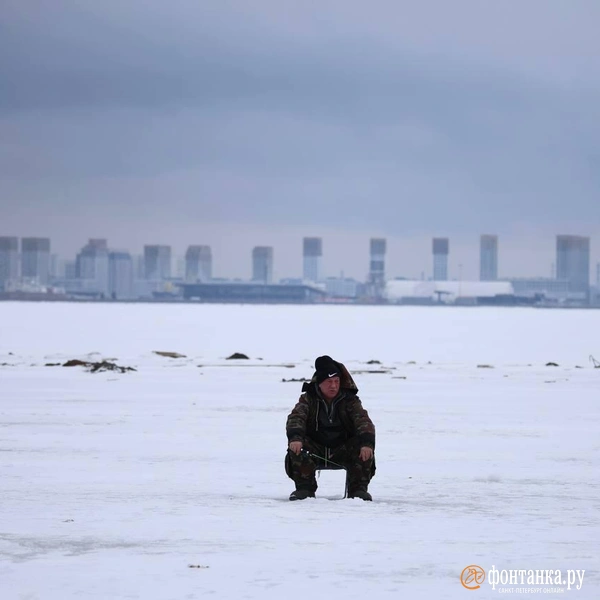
[{"x": 449, "y": 118}]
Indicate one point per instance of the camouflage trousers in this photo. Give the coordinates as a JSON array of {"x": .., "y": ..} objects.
[{"x": 302, "y": 467}]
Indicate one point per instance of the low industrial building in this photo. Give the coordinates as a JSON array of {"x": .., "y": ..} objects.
[
  {"x": 251, "y": 293},
  {"x": 450, "y": 292}
]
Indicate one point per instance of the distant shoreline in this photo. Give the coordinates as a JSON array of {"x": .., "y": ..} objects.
[{"x": 55, "y": 299}]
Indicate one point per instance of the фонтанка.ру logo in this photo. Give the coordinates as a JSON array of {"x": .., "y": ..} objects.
[
  {"x": 523, "y": 581},
  {"x": 472, "y": 577}
]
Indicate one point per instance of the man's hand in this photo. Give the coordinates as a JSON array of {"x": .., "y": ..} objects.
[
  {"x": 295, "y": 447},
  {"x": 366, "y": 453}
]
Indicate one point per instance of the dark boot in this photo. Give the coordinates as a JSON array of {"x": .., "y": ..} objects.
[
  {"x": 301, "y": 494},
  {"x": 362, "y": 494}
]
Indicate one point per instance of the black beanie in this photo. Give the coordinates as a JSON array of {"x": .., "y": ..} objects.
[{"x": 325, "y": 368}]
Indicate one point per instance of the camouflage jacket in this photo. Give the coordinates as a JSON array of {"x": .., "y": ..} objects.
[{"x": 303, "y": 421}]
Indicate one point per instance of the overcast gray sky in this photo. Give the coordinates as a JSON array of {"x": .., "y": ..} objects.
[{"x": 255, "y": 123}]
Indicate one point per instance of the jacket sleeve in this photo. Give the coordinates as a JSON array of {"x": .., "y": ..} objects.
[
  {"x": 364, "y": 427},
  {"x": 296, "y": 421}
]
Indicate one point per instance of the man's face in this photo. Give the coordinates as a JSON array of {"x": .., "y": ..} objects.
[{"x": 330, "y": 388}]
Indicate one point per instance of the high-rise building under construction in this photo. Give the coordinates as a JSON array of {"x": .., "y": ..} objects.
[
  {"x": 440, "y": 259},
  {"x": 312, "y": 254},
  {"x": 157, "y": 262},
  {"x": 198, "y": 264},
  {"x": 573, "y": 262},
  {"x": 35, "y": 259},
  {"x": 376, "y": 279},
  {"x": 488, "y": 258},
  {"x": 9, "y": 260},
  {"x": 262, "y": 264}
]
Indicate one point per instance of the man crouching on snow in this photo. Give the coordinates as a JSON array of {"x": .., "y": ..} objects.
[{"x": 330, "y": 425}]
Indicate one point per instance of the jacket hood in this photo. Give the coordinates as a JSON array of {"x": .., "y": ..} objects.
[{"x": 346, "y": 381}]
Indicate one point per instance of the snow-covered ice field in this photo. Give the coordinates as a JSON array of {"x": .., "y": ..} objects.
[{"x": 168, "y": 482}]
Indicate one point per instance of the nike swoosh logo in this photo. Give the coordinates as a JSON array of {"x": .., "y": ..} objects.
[{"x": 332, "y": 375}]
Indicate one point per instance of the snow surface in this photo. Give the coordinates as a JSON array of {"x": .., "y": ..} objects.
[{"x": 112, "y": 485}]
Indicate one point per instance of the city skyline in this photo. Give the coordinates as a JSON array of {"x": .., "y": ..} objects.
[{"x": 173, "y": 263}]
